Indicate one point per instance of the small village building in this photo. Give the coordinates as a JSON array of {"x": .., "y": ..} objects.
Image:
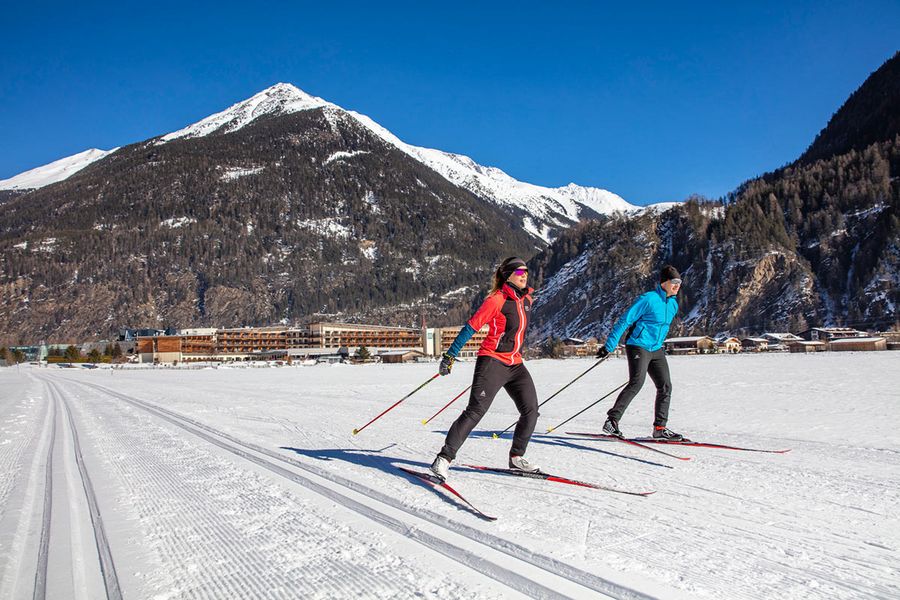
[
  {"x": 892, "y": 338},
  {"x": 865, "y": 344},
  {"x": 806, "y": 347},
  {"x": 778, "y": 342},
  {"x": 31, "y": 353},
  {"x": 754, "y": 344},
  {"x": 401, "y": 356},
  {"x": 728, "y": 345},
  {"x": 578, "y": 348},
  {"x": 689, "y": 345},
  {"x": 781, "y": 338},
  {"x": 159, "y": 349},
  {"x": 828, "y": 334}
]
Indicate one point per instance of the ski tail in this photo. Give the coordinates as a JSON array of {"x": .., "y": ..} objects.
[
  {"x": 693, "y": 444},
  {"x": 437, "y": 482},
  {"x": 630, "y": 442},
  {"x": 556, "y": 479}
]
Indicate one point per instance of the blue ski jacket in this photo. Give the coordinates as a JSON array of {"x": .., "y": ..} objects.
[{"x": 651, "y": 314}]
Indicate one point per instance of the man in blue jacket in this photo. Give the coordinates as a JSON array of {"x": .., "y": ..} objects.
[{"x": 647, "y": 324}]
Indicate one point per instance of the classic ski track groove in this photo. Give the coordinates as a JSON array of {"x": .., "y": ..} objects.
[
  {"x": 40, "y": 576},
  {"x": 585, "y": 583},
  {"x": 20, "y": 470},
  {"x": 104, "y": 554}
]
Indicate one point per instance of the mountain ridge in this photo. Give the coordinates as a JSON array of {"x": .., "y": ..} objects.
[{"x": 545, "y": 211}]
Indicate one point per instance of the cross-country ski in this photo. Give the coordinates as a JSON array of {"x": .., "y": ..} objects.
[
  {"x": 554, "y": 478},
  {"x": 615, "y": 438},
  {"x": 693, "y": 444}
]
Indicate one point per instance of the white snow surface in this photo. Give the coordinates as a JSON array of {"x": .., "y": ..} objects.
[
  {"x": 281, "y": 98},
  {"x": 248, "y": 483},
  {"x": 233, "y": 173},
  {"x": 55, "y": 171},
  {"x": 342, "y": 154},
  {"x": 176, "y": 222}
]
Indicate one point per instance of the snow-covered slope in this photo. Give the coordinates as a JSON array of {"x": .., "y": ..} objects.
[
  {"x": 55, "y": 171},
  {"x": 545, "y": 208},
  {"x": 281, "y": 98}
]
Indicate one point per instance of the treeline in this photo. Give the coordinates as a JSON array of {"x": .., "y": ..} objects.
[{"x": 801, "y": 246}]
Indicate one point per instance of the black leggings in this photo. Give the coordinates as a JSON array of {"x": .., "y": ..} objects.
[
  {"x": 640, "y": 363},
  {"x": 490, "y": 376}
]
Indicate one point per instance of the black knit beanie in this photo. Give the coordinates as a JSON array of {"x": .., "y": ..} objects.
[{"x": 668, "y": 272}]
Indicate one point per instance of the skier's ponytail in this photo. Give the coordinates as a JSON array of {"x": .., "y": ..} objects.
[{"x": 497, "y": 281}]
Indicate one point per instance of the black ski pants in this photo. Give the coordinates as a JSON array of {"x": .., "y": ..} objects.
[
  {"x": 490, "y": 376},
  {"x": 640, "y": 363}
]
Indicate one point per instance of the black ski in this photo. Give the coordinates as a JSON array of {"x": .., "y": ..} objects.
[
  {"x": 555, "y": 478},
  {"x": 437, "y": 482}
]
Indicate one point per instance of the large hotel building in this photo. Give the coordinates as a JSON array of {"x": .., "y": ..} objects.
[{"x": 315, "y": 339}]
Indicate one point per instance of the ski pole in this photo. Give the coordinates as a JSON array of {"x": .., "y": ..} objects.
[
  {"x": 497, "y": 435},
  {"x": 427, "y": 421},
  {"x": 392, "y": 406},
  {"x": 584, "y": 409}
]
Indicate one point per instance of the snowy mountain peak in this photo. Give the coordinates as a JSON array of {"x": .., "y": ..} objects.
[
  {"x": 547, "y": 210},
  {"x": 55, "y": 171},
  {"x": 280, "y": 99}
]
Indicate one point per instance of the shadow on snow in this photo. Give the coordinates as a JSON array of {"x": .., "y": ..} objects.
[{"x": 387, "y": 464}]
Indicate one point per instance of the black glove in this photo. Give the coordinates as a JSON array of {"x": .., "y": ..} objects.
[
  {"x": 446, "y": 364},
  {"x": 602, "y": 352}
]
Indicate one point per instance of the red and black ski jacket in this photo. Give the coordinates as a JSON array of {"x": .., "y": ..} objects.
[{"x": 506, "y": 312}]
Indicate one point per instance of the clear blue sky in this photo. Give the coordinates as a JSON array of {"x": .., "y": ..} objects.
[{"x": 653, "y": 102}]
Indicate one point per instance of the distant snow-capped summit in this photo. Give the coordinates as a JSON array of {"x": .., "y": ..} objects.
[
  {"x": 280, "y": 99},
  {"x": 55, "y": 171},
  {"x": 546, "y": 210}
]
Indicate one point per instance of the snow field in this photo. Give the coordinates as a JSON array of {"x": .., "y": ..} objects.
[{"x": 189, "y": 518}]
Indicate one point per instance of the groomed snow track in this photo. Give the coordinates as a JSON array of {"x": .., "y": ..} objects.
[
  {"x": 107, "y": 566},
  {"x": 516, "y": 567},
  {"x": 66, "y": 501}
]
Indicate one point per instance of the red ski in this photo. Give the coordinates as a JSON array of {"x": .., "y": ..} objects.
[
  {"x": 705, "y": 445},
  {"x": 556, "y": 478},
  {"x": 437, "y": 482},
  {"x": 605, "y": 436}
]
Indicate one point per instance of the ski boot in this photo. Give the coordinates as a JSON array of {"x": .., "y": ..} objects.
[
  {"x": 611, "y": 427},
  {"x": 441, "y": 468},
  {"x": 665, "y": 435},
  {"x": 519, "y": 463}
]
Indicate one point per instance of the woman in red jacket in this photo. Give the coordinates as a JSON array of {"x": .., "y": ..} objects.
[{"x": 499, "y": 365}]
